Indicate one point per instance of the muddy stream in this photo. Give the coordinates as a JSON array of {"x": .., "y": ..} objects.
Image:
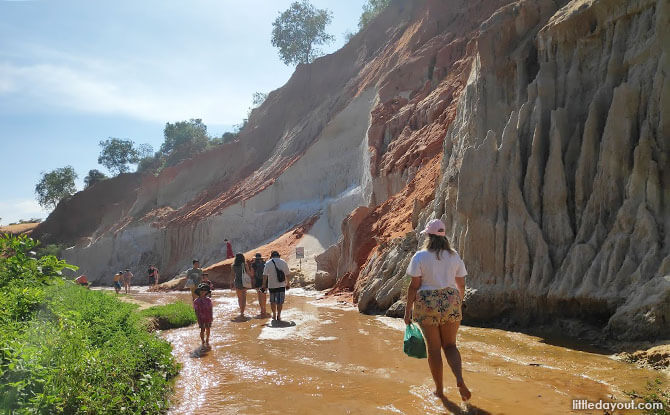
[{"x": 333, "y": 360}]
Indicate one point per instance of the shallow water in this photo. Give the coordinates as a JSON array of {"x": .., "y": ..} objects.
[{"x": 337, "y": 361}]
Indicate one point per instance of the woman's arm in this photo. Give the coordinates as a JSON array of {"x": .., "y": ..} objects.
[
  {"x": 460, "y": 283},
  {"x": 411, "y": 297}
]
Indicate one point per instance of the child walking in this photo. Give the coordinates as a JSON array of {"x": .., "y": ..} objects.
[
  {"x": 204, "y": 312},
  {"x": 117, "y": 281}
]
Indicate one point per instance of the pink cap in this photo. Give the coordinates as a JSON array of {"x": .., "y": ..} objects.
[{"x": 435, "y": 227}]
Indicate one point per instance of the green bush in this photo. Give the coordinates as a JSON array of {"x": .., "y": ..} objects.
[
  {"x": 67, "y": 349},
  {"x": 655, "y": 392},
  {"x": 50, "y": 249},
  {"x": 171, "y": 316}
]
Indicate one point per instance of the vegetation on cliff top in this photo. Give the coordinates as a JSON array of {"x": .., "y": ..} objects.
[
  {"x": 55, "y": 186},
  {"x": 299, "y": 30},
  {"x": 67, "y": 349}
]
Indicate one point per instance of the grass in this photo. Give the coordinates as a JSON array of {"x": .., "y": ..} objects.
[
  {"x": 65, "y": 349},
  {"x": 171, "y": 316},
  {"x": 654, "y": 392}
]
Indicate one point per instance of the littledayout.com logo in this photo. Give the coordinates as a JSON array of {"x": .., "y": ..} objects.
[{"x": 584, "y": 404}]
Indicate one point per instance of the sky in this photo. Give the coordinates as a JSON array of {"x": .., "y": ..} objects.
[{"x": 73, "y": 73}]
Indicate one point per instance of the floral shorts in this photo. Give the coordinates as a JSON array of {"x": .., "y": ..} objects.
[{"x": 435, "y": 307}]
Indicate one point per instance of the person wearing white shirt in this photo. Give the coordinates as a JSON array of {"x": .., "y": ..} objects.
[
  {"x": 434, "y": 300},
  {"x": 272, "y": 279}
]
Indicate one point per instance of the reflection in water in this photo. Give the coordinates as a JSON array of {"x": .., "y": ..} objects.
[{"x": 327, "y": 358}]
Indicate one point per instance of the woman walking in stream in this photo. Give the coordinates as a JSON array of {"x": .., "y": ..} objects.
[
  {"x": 241, "y": 272},
  {"x": 434, "y": 300}
]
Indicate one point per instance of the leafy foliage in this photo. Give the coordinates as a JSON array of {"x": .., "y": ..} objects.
[
  {"x": 173, "y": 315},
  {"x": 655, "y": 392},
  {"x": 183, "y": 140},
  {"x": 151, "y": 164},
  {"x": 145, "y": 150},
  {"x": 65, "y": 349},
  {"x": 116, "y": 154},
  {"x": 50, "y": 249},
  {"x": 258, "y": 99},
  {"x": 55, "y": 186},
  {"x": 370, "y": 10},
  {"x": 298, "y": 30},
  {"x": 94, "y": 176}
]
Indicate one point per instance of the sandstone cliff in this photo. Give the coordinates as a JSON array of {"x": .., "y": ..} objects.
[
  {"x": 555, "y": 171},
  {"x": 538, "y": 130},
  {"x": 305, "y": 152}
]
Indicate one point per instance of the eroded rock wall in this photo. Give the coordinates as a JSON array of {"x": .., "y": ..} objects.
[
  {"x": 555, "y": 171},
  {"x": 305, "y": 152}
]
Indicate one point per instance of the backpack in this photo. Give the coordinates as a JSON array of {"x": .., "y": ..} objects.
[{"x": 280, "y": 274}]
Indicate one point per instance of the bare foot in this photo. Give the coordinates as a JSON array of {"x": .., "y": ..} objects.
[
  {"x": 464, "y": 391},
  {"x": 439, "y": 394}
]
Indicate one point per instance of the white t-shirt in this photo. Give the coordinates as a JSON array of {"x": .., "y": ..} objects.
[
  {"x": 436, "y": 274},
  {"x": 270, "y": 271}
]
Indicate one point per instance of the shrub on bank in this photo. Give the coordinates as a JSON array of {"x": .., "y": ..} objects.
[
  {"x": 171, "y": 316},
  {"x": 655, "y": 392},
  {"x": 67, "y": 349}
]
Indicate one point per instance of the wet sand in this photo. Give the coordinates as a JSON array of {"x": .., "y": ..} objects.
[{"x": 332, "y": 360}]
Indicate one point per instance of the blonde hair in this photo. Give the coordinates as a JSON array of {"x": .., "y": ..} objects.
[{"x": 437, "y": 244}]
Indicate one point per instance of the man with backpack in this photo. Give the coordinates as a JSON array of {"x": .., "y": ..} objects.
[
  {"x": 276, "y": 278},
  {"x": 258, "y": 266}
]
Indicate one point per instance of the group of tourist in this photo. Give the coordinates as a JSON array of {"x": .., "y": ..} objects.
[
  {"x": 123, "y": 279},
  {"x": 434, "y": 297},
  {"x": 271, "y": 276}
]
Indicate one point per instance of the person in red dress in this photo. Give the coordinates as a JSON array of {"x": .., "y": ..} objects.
[
  {"x": 204, "y": 312},
  {"x": 229, "y": 249}
]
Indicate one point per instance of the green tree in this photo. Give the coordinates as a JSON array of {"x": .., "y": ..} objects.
[
  {"x": 151, "y": 164},
  {"x": 370, "y": 10},
  {"x": 94, "y": 176},
  {"x": 298, "y": 30},
  {"x": 229, "y": 137},
  {"x": 258, "y": 98},
  {"x": 145, "y": 150},
  {"x": 183, "y": 140},
  {"x": 116, "y": 154},
  {"x": 55, "y": 186}
]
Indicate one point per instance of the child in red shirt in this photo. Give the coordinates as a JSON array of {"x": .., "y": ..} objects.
[
  {"x": 206, "y": 280},
  {"x": 204, "y": 311}
]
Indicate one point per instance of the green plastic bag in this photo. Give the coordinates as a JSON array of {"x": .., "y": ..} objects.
[{"x": 413, "y": 345}]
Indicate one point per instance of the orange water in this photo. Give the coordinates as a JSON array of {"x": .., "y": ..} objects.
[{"x": 337, "y": 361}]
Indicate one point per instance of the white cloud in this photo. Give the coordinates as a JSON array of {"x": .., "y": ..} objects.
[
  {"x": 16, "y": 209},
  {"x": 90, "y": 86}
]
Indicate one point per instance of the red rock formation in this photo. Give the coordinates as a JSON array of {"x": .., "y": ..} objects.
[{"x": 536, "y": 129}]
